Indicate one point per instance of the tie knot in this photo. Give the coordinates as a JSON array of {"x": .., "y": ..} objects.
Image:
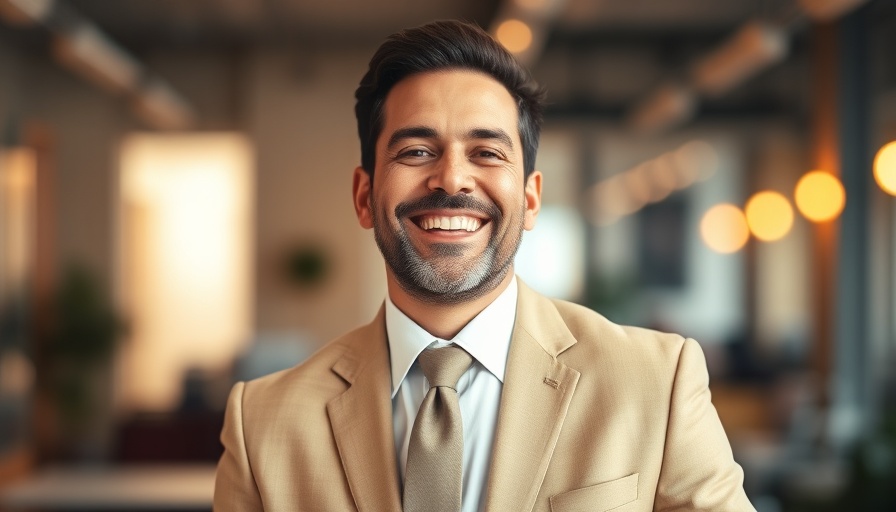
[{"x": 444, "y": 366}]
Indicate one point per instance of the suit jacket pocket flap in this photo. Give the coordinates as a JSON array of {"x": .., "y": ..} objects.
[{"x": 598, "y": 498}]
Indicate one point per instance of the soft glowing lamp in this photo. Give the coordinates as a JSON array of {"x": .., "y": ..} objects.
[
  {"x": 885, "y": 168},
  {"x": 769, "y": 216},
  {"x": 515, "y": 35},
  {"x": 820, "y": 196},
  {"x": 724, "y": 228}
]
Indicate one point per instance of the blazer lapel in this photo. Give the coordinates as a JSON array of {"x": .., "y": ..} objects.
[
  {"x": 537, "y": 391},
  {"x": 361, "y": 419}
]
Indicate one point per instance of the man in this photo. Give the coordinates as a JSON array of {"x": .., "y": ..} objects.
[{"x": 549, "y": 407}]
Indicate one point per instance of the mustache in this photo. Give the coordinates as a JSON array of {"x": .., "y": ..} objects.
[{"x": 440, "y": 200}]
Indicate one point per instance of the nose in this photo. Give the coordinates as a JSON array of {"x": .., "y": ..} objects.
[{"x": 452, "y": 174}]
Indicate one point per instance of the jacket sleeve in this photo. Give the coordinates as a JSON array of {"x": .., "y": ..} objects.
[
  {"x": 699, "y": 472},
  {"x": 235, "y": 488}
]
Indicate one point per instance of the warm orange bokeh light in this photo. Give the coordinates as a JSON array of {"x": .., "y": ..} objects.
[
  {"x": 769, "y": 216},
  {"x": 820, "y": 196},
  {"x": 515, "y": 35},
  {"x": 724, "y": 228},
  {"x": 885, "y": 168}
]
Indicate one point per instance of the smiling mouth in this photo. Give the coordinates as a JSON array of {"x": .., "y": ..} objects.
[{"x": 448, "y": 223}]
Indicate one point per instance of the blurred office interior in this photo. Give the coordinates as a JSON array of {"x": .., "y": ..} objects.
[{"x": 175, "y": 216}]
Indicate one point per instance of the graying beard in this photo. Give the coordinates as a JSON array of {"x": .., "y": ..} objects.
[
  {"x": 424, "y": 274},
  {"x": 420, "y": 279}
]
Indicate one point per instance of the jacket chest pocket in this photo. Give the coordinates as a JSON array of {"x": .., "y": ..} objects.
[{"x": 597, "y": 498}]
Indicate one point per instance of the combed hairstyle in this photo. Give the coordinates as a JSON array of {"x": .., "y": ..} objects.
[{"x": 444, "y": 45}]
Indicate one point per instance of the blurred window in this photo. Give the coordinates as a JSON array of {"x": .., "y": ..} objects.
[{"x": 185, "y": 238}]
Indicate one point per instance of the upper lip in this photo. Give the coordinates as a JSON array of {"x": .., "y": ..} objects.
[{"x": 441, "y": 204}]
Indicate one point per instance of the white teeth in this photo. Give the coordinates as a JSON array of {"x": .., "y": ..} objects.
[{"x": 450, "y": 223}]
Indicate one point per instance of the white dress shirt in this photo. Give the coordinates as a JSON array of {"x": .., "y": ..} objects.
[{"x": 487, "y": 339}]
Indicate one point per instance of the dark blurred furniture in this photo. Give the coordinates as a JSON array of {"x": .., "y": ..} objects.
[
  {"x": 162, "y": 462},
  {"x": 170, "y": 438}
]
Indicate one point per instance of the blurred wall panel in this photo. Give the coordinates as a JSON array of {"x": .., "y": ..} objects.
[
  {"x": 10, "y": 87},
  {"x": 86, "y": 125},
  {"x": 300, "y": 113}
]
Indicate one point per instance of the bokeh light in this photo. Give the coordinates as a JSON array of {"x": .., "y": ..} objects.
[
  {"x": 611, "y": 200},
  {"x": 724, "y": 228},
  {"x": 663, "y": 175},
  {"x": 769, "y": 216},
  {"x": 639, "y": 186},
  {"x": 697, "y": 160},
  {"x": 515, "y": 35},
  {"x": 885, "y": 168},
  {"x": 820, "y": 196}
]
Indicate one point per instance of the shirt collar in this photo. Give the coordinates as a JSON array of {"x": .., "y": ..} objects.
[{"x": 486, "y": 337}]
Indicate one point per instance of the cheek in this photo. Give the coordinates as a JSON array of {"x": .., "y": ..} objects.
[
  {"x": 386, "y": 196},
  {"x": 508, "y": 194},
  {"x": 397, "y": 186}
]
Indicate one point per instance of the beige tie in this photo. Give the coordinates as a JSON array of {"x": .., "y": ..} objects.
[{"x": 432, "y": 479}]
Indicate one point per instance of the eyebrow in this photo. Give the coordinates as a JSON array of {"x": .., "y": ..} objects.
[
  {"x": 425, "y": 132},
  {"x": 412, "y": 132},
  {"x": 492, "y": 134}
]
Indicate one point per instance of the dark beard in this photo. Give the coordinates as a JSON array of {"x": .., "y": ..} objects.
[{"x": 427, "y": 281}]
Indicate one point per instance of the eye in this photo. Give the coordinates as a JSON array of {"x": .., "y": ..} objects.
[
  {"x": 487, "y": 154},
  {"x": 415, "y": 153}
]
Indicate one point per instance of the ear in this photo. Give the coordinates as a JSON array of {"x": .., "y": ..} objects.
[
  {"x": 533, "y": 199},
  {"x": 361, "y": 197}
]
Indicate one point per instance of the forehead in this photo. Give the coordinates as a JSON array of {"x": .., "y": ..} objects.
[{"x": 447, "y": 100}]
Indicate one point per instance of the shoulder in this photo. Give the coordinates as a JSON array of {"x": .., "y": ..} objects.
[
  {"x": 599, "y": 339},
  {"x": 629, "y": 365}
]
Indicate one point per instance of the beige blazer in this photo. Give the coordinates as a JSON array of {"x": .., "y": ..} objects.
[{"x": 593, "y": 417}]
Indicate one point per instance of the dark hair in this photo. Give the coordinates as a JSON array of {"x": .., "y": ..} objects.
[{"x": 442, "y": 45}]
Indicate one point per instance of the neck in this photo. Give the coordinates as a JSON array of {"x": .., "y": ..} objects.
[{"x": 442, "y": 320}]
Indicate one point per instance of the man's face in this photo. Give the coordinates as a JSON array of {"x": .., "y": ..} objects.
[{"x": 448, "y": 203}]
